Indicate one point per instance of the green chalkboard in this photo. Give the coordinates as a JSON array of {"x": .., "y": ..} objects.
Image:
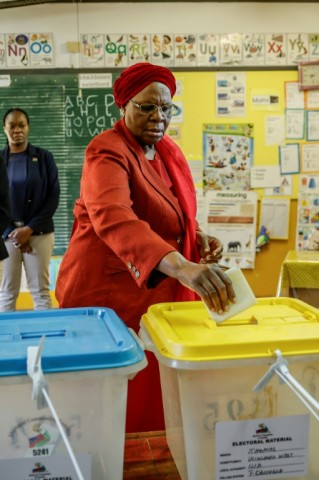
[{"x": 63, "y": 119}]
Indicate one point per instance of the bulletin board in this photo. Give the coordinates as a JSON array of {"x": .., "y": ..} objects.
[
  {"x": 198, "y": 96},
  {"x": 65, "y": 118}
]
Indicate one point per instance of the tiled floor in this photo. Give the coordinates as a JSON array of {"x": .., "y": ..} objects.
[{"x": 147, "y": 457}]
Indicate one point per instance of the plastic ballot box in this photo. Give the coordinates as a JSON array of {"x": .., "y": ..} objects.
[
  {"x": 87, "y": 359},
  {"x": 240, "y": 397}
]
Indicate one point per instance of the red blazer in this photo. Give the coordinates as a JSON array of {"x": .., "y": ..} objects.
[{"x": 127, "y": 220}]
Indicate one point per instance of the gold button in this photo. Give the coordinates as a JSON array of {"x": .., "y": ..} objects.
[{"x": 137, "y": 274}]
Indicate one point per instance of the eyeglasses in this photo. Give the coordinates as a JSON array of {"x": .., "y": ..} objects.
[{"x": 147, "y": 108}]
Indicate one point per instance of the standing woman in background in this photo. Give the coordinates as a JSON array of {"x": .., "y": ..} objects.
[
  {"x": 4, "y": 207},
  {"x": 34, "y": 190}
]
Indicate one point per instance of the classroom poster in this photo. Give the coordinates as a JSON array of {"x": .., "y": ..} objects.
[
  {"x": 230, "y": 49},
  {"x": 231, "y": 217},
  {"x": 92, "y": 50},
  {"x": 310, "y": 157},
  {"x": 231, "y": 94},
  {"x": 208, "y": 50},
  {"x": 253, "y": 46},
  {"x": 276, "y": 49},
  {"x": 41, "y": 50},
  {"x": 228, "y": 156},
  {"x": 139, "y": 48},
  {"x": 297, "y": 48},
  {"x": 162, "y": 49},
  {"x": 274, "y": 215},
  {"x": 185, "y": 50},
  {"x": 18, "y": 50},
  {"x": 285, "y": 187},
  {"x": 307, "y": 235},
  {"x": 115, "y": 50},
  {"x": 312, "y": 125},
  {"x": 294, "y": 98},
  {"x": 312, "y": 99},
  {"x": 2, "y": 50},
  {"x": 313, "y": 47}
]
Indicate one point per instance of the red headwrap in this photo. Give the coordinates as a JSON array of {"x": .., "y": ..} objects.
[{"x": 135, "y": 78}]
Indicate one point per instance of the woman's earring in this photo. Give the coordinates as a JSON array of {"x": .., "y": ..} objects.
[{"x": 122, "y": 112}]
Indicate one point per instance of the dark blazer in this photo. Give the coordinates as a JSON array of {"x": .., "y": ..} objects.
[
  {"x": 43, "y": 190},
  {"x": 5, "y": 214}
]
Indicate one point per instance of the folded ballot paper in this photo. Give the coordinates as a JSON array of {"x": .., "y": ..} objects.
[{"x": 244, "y": 296}]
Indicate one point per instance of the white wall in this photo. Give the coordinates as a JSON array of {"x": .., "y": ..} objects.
[{"x": 67, "y": 21}]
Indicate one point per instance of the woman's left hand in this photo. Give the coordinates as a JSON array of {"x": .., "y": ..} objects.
[
  {"x": 20, "y": 236},
  {"x": 210, "y": 248}
]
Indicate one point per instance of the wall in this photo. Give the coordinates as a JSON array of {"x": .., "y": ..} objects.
[{"x": 67, "y": 21}]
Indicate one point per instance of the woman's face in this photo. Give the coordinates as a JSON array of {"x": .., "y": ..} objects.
[
  {"x": 16, "y": 128},
  {"x": 148, "y": 128}
]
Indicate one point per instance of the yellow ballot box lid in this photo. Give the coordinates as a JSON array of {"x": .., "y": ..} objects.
[{"x": 185, "y": 330}]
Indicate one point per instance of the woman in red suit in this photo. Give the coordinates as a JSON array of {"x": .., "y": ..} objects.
[{"x": 135, "y": 240}]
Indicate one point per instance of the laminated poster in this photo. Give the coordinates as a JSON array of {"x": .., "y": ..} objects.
[
  {"x": 231, "y": 217},
  {"x": 231, "y": 94},
  {"x": 313, "y": 47},
  {"x": 294, "y": 98},
  {"x": 2, "y": 50},
  {"x": 185, "y": 47},
  {"x": 307, "y": 235},
  {"x": 162, "y": 49},
  {"x": 208, "y": 50},
  {"x": 297, "y": 48},
  {"x": 139, "y": 48},
  {"x": 41, "y": 50},
  {"x": 228, "y": 156},
  {"x": 230, "y": 49},
  {"x": 115, "y": 50},
  {"x": 276, "y": 49},
  {"x": 18, "y": 55},
  {"x": 310, "y": 157},
  {"x": 253, "y": 46},
  {"x": 274, "y": 215},
  {"x": 92, "y": 50}
]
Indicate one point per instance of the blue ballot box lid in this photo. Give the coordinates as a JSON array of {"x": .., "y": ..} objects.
[{"x": 75, "y": 339}]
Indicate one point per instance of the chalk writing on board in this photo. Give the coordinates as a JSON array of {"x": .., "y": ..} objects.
[{"x": 87, "y": 116}]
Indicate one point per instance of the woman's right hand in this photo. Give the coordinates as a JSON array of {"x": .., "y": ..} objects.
[{"x": 207, "y": 280}]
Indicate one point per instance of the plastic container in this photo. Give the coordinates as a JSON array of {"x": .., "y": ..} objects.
[
  {"x": 87, "y": 359},
  {"x": 217, "y": 426}
]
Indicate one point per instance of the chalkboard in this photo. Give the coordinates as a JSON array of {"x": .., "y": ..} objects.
[{"x": 63, "y": 119}]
